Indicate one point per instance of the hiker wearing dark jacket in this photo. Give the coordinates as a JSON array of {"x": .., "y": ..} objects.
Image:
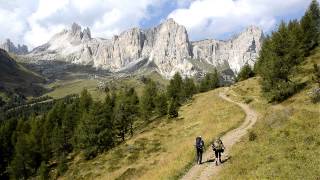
[
  {"x": 199, "y": 148},
  {"x": 218, "y": 148}
]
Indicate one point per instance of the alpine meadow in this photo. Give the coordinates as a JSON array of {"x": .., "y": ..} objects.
[{"x": 201, "y": 89}]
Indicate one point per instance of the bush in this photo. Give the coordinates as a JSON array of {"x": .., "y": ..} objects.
[
  {"x": 246, "y": 72},
  {"x": 43, "y": 171},
  {"x": 252, "y": 136},
  {"x": 315, "y": 95},
  {"x": 247, "y": 100}
]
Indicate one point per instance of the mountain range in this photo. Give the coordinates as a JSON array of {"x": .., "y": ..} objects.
[{"x": 165, "y": 48}]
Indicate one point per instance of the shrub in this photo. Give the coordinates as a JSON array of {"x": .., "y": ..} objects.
[
  {"x": 315, "y": 95},
  {"x": 252, "y": 136},
  {"x": 247, "y": 100}
]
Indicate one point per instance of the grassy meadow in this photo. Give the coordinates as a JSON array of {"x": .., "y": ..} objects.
[
  {"x": 285, "y": 142},
  {"x": 164, "y": 148}
]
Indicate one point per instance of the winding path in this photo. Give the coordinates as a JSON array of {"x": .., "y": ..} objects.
[{"x": 208, "y": 169}]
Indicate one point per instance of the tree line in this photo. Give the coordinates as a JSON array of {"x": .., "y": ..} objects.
[
  {"x": 283, "y": 50},
  {"x": 33, "y": 142}
]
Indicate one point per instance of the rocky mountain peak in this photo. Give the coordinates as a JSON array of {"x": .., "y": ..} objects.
[
  {"x": 86, "y": 34},
  {"x": 9, "y": 46},
  {"x": 165, "y": 47}
]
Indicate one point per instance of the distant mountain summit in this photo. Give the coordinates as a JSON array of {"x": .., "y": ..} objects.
[
  {"x": 165, "y": 48},
  {"x": 10, "y": 47}
]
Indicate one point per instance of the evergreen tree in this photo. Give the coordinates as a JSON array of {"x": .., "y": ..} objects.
[
  {"x": 245, "y": 73},
  {"x": 189, "y": 88},
  {"x": 161, "y": 104},
  {"x": 175, "y": 88},
  {"x": 95, "y": 131},
  {"x": 121, "y": 123},
  {"x": 85, "y": 100},
  {"x": 147, "y": 103},
  {"x": 310, "y": 24},
  {"x": 279, "y": 54},
  {"x": 210, "y": 81},
  {"x": 7, "y": 129},
  {"x": 173, "y": 108},
  {"x": 132, "y": 105},
  {"x": 24, "y": 163}
]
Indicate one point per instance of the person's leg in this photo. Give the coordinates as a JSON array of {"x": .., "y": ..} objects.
[
  {"x": 197, "y": 155},
  {"x": 216, "y": 155},
  {"x": 200, "y": 159},
  {"x": 220, "y": 157}
]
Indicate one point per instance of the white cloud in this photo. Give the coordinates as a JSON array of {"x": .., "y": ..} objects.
[
  {"x": 217, "y": 18},
  {"x": 34, "y": 22}
]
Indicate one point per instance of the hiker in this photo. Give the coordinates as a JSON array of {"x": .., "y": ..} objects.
[
  {"x": 199, "y": 147},
  {"x": 218, "y": 148}
]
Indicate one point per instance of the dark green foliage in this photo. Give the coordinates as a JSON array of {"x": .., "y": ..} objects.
[
  {"x": 26, "y": 158},
  {"x": 316, "y": 72},
  {"x": 246, "y": 72},
  {"x": 210, "y": 81},
  {"x": 310, "y": 24},
  {"x": 252, "y": 136},
  {"x": 161, "y": 104},
  {"x": 279, "y": 54},
  {"x": 6, "y": 146},
  {"x": 85, "y": 100},
  {"x": 147, "y": 104},
  {"x": 189, "y": 88},
  {"x": 95, "y": 131},
  {"x": 43, "y": 171},
  {"x": 175, "y": 87},
  {"x": 62, "y": 166},
  {"x": 173, "y": 108}
]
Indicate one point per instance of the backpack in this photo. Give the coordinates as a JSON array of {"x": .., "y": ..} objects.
[
  {"x": 199, "y": 143},
  {"x": 217, "y": 145}
]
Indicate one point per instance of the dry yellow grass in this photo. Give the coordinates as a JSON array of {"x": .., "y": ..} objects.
[{"x": 164, "y": 149}]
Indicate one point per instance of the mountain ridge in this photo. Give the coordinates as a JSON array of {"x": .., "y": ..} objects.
[{"x": 166, "y": 45}]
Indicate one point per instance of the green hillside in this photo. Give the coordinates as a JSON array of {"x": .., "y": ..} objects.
[
  {"x": 285, "y": 142},
  {"x": 164, "y": 148},
  {"x": 14, "y": 78}
]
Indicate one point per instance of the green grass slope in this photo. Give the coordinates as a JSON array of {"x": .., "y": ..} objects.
[
  {"x": 164, "y": 148},
  {"x": 285, "y": 142},
  {"x": 16, "y": 78}
]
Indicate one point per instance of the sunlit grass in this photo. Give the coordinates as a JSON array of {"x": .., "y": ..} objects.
[
  {"x": 287, "y": 144},
  {"x": 165, "y": 148}
]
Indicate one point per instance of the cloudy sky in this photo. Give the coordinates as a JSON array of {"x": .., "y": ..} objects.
[{"x": 33, "y": 22}]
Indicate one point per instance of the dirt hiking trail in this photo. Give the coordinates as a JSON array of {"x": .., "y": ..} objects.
[{"x": 208, "y": 168}]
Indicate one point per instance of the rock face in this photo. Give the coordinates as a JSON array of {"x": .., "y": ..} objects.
[
  {"x": 10, "y": 47},
  {"x": 235, "y": 52},
  {"x": 165, "y": 47}
]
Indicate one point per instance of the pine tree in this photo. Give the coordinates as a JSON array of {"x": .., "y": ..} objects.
[
  {"x": 24, "y": 162},
  {"x": 85, "y": 100},
  {"x": 95, "y": 131},
  {"x": 121, "y": 123},
  {"x": 210, "y": 81},
  {"x": 173, "y": 108},
  {"x": 161, "y": 104},
  {"x": 147, "y": 103},
  {"x": 245, "y": 73},
  {"x": 189, "y": 88},
  {"x": 175, "y": 88},
  {"x": 279, "y": 54},
  {"x": 310, "y": 24}
]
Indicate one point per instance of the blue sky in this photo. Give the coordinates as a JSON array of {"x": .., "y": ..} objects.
[{"x": 33, "y": 22}]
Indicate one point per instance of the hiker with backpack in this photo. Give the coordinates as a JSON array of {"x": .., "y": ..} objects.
[
  {"x": 218, "y": 148},
  {"x": 199, "y": 148}
]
